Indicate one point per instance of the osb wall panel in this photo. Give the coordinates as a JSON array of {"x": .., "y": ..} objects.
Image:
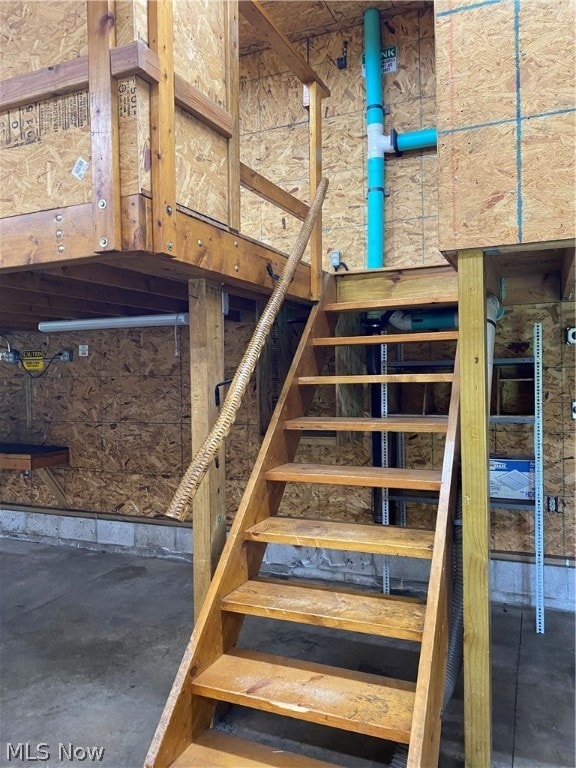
[
  {"x": 40, "y": 143},
  {"x": 200, "y": 54},
  {"x": 511, "y": 530},
  {"x": 506, "y": 119},
  {"x": 200, "y": 51},
  {"x": 274, "y": 141},
  {"x": 124, "y": 412}
]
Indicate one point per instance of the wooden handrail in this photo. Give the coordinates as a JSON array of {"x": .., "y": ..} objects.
[
  {"x": 267, "y": 190},
  {"x": 256, "y": 14},
  {"x": 133, "y": 59},
  {"x": 426, "y": 719}
]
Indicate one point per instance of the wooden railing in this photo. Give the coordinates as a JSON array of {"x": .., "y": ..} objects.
[
  {"x": 426, "y": 721},
  {"x": 316, "y": 90}
]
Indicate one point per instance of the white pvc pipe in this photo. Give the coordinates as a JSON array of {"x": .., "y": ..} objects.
[{"x": 105, "y": 323}]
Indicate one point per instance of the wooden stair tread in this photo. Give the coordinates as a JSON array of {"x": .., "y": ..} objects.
[
  {"x": 360, "y": 612},
  {"x": 341, "y": 474},
  {"x": 214, "y": 749},
  {"x": 353, "y": 701},
  {"x": 400, "y": 423},
  {"x": 380, "y": 378},
  {"x": 387, "y": 338},
  {"x": 362, "y": 305},
  {"x": 376, "y": 539}
]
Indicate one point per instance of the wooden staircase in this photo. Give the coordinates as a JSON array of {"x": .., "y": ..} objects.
[{"x": 214, "y": 670}]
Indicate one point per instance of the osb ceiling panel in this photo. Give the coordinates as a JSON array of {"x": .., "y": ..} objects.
[{"x": 300, "y": 18}]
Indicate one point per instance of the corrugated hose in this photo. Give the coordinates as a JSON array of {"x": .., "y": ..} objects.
[{"x": 180, "y": 505}]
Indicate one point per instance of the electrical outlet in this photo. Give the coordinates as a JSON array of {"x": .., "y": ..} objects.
[
  {"x": 573, "y": 410},
  {"x": 335, "y": 259},
  {"x": 65, "y": 356},
  {"x": 552, "y": 503},
  {"x": 10, "y": 356},
  {"x": 82, "y": 350},
  {"x": 570, "y": 335}
]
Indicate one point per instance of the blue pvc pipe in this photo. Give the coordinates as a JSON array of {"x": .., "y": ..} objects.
[
  {"x": 375, "y": 213},
  {"x": 374, "y": 114},
  {"x": 428, "y": 137}
]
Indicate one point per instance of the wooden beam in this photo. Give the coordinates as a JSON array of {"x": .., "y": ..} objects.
[
  {"x": 44, "y": 83},
  {"x": 162, "y": 138},
  {"x": 315, "y": 152},
  {"x": 104, "y": 136},
  {"x": 97, "y": 305},
  {"x": 47, "y": 237},
  {"x": 476, "y": 509},
  {"x": 62, "y": 237},
  {"x": 418, "y": 286},
  {"x": 206, "y": 370},
  {"x": 233, "y": 103},
  {"x": 195, "y": 103},
  {"x": 128, "y": 279},
  {"x": 267, "y": 190},
  {"x": 39, "y": 312},
  {"x": 567, "y": 277},
  {"x": 50, "y": 289},
  {"x": 52, "y": 482},
  {"x": 254, "y": 12},
  {"x": 234, "y": 259},
  {"x": 17, "y": 322},
  {"x": 133, "y": 59}
]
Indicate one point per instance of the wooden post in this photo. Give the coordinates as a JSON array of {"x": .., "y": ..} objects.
[
  {"x": 476, "y": 508},
  {"x": 206, "y": 370},
  {"x": 315, "y": 151},
  {"x": 162, "y": 138},
  {"x": 104, "y": 127},
  {"x": 232, "y": 96}
]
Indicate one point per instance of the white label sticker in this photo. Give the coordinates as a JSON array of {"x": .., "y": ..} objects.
[{"x": 80, "y": 168}]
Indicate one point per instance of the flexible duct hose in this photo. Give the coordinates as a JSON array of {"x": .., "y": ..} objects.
[
  {"x": 201, "y": 462},
  {"x": 456, "y": 633}
]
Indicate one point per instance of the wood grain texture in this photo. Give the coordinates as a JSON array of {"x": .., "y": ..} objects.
[
  {"x": 392, "y": 378},
  {"x": 369, "y": 424},
  {"x": 232, "y": 77},
  {"x": 396, "y": 288},
  {"x": 339, "y": 474},
  {"x": 215, "y": 749},
  {"x": 162, "y": 128},
  {"x": 354, "y": 701},
  {"x": 476, "y": 512},
  {"x": 315, "y": 96},
  {"x": 206, "y": 369},
  {"x": 343, "y": 536},
  {"x": 104, "y": 133},
  {"x": 427, "y": 721},
  {"x": 388, "y": 338},
  {"x": 185, "y": 716},
  {"x": 360, "y": 612},
  {"x": 267, "y": 190}
]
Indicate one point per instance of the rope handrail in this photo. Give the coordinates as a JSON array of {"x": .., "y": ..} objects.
[{"x": 180, "y": 504}]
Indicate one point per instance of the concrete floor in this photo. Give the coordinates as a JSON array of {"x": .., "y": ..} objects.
[{"x": 90, "y": 643}]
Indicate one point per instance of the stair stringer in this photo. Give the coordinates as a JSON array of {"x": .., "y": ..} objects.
[
  {"x": 424, "y": 744},
  {"x": 185, "y": 715}
]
